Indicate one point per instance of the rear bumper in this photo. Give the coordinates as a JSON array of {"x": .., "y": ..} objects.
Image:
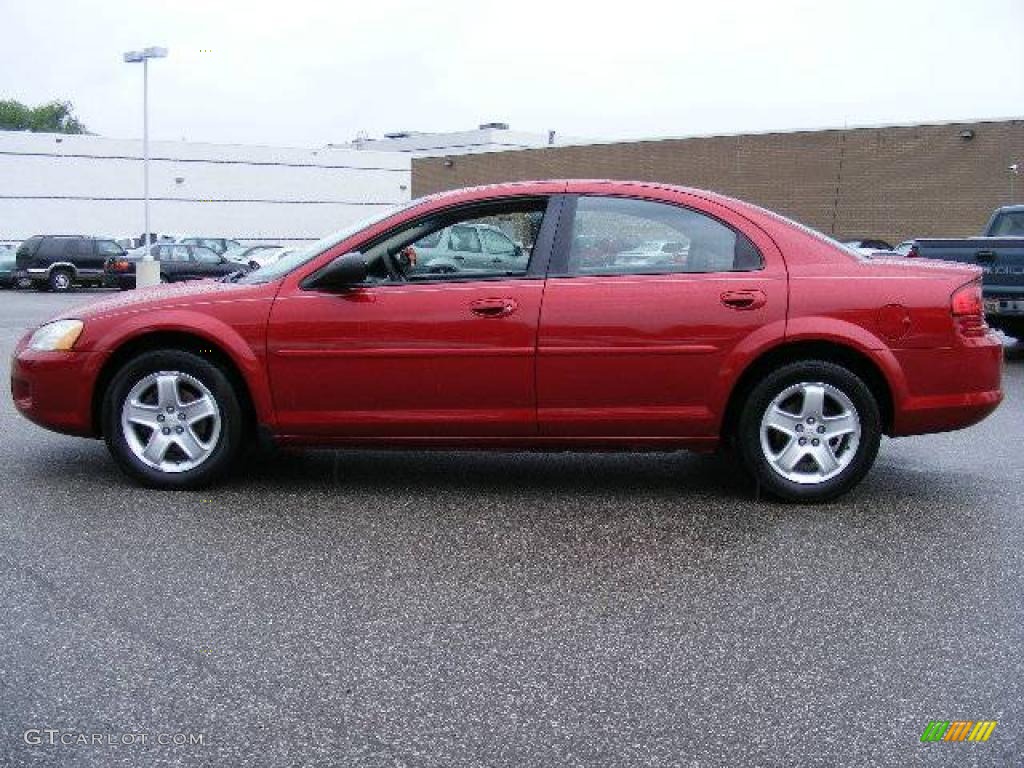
[
  {"x": 950, "y": 388},
  {"x": 53, "y": 389},
  {"x": 122, "y": 280}
]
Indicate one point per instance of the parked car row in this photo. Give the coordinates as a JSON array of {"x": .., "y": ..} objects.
[
  {"x": 60, "y": 262},
  {"x": 178, "y": 262}
]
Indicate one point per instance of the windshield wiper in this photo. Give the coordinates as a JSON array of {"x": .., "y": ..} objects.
[{"x": 232, "y": 277}]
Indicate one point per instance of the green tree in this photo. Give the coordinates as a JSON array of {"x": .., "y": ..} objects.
[{"x": 53, "y": 117}]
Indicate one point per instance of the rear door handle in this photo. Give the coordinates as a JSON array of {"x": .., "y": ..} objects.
[
  {"x": 744, "y": 299},
  {"x": 985, "y": 255},
  {"x": 493, "y": 307}
]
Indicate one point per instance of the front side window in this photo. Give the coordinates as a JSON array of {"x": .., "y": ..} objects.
[
  {"x": 53, "y": 248},
  {"x": 625, "y": 236},
  {"x": 109, "y": 248},
  {"x": 205, "y": 256},
  {"x": 451, "y": 245},
  {"x": 497, "y": 242}
]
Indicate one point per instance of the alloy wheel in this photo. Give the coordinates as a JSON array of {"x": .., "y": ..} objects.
[
  {"x": 810, "y": 432},
  {"x": 171, "y": 421}
]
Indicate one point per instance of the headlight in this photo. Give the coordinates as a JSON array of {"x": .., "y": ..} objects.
[{"x": 58, "y": 335}]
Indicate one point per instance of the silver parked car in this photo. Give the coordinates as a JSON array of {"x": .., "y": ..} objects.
[{"x": 470, "y": 247}]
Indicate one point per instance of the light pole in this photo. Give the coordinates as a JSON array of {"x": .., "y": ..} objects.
[{"x": 147, "y": 272}]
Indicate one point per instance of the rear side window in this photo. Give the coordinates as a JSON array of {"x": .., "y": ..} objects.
[
  {"x": 54, "y": 248},
  {"x": 79, "y": 247},
  {"x": 625, "y": 236},
  {"x": 28, "y": 247}
]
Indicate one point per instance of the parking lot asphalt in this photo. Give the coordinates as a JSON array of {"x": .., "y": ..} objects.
[{"x": 442, "y": 609}]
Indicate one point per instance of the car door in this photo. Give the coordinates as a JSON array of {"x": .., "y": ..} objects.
[
  {"x": 413, "y": 353},
  {"x": 175, "y": 263},
  {"x": 92, "y": 257},
  {"x": 81, "y": 251},
  {"x": 635, "y": 347}
]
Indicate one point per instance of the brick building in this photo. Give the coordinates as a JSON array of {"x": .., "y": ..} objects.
[{"x": 893, "y": 182}]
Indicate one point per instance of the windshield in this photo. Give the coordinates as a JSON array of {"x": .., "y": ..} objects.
[
  {"x": 1008, "y": 224},
  {"x": 297, "y": 258}
]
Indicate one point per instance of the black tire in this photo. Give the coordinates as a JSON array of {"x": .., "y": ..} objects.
[
  {"x": 164, "y": 278},
  {"x": 60, "y": 280},
  {"x": 228, "y": 446},
  {"x": 748, "y": 433}
]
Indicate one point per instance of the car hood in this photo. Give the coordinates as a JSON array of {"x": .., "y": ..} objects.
[{"x": 187, "y": 295}]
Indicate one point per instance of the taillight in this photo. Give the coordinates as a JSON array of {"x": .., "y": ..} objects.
[
  {"x": 120, "y": 265},
  {"x": 913, "y": 253},
  {"x": 968, "y": 309}
]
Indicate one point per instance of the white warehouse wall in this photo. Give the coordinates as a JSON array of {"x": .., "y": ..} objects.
[{"x": 57, "y": 184}]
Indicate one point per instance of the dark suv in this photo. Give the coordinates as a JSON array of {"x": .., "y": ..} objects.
[{"x": 57, "y": 262}]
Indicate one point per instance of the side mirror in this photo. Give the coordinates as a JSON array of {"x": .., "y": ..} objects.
[{"x": 345, "y": 271}]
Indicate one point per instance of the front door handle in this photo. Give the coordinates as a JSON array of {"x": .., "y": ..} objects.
[
  {"x": 493, "y": 307},
  {"x": 744, "y": 299}
]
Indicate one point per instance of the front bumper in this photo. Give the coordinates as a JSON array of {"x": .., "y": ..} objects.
[{"x": 54, "y": 389}]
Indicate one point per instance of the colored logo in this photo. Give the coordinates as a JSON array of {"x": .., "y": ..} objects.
[{"x": 958, "y": 730}]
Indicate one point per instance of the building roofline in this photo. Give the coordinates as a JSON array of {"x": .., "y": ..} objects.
[{"x": 766, "y": 132}]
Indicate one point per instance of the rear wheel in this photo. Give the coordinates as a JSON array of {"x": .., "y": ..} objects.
[
  {"x": 172, "y": 419},
  {"x": 60, "y": 280},
  {"x": 810, "y": 431}
]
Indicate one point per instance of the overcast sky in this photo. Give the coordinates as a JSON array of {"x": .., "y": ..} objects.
[{"x": 305, "y": 73}]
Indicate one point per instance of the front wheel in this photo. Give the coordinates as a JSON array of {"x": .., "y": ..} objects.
[
  {"x": 810, "y": 431},
  {"x": 172, "y": 419}
]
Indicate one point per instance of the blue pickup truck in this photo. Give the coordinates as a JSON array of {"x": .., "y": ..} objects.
[{"x": 1000, "y": 254}]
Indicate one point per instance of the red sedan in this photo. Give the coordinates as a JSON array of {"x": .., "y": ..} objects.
[{"x": 547, "y": 315}]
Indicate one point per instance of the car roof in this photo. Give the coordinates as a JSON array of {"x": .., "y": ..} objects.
[{"x": 577, "y": 187}]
